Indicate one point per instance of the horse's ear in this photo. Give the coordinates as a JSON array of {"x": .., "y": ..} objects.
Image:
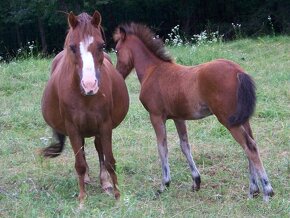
[
  {"x": 96, "y": 19},
  {"x": 72, "y": 20},
  {"x": 122, "y": 33}
]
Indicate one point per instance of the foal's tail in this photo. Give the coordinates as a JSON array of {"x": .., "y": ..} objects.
[
  {"x": 246, "y": 100},
  {"x": 56, "y": 147}
]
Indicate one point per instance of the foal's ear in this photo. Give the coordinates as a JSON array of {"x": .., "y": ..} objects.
[
  {"x": 122, "y": 33},
  {"x": 96, "y": 19},
  {"x": 72, "y": 20}
]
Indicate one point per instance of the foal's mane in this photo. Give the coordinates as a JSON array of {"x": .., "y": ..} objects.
[{"x": 148, "y": 37}]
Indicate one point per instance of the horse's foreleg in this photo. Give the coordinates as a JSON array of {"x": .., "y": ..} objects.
[
  {"x": 185, "y": 147},
  {"x": 243, "y": 138},
  {"x": 160, "y": 130},
  {"x": 80, "y": 163},
  {"x": 109, "y": 160},
  {"x": 104, "y": 176}
]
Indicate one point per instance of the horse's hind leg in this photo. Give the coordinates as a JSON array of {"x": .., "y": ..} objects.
[
  {"x": 242, "y": 136},
  {"x": 253, "y": 187},
  {"x": 87, "y": 176},
  {"x": 185, "y": 147},
  {"x": 109, "y": 160},
  {"x": 158, "y": 124},
  {"x": 104, "y": 176},
  {"x": 56, "y": 146}
]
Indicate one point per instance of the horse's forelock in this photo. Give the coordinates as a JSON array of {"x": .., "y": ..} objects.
[{"x": 85, "y": 28}]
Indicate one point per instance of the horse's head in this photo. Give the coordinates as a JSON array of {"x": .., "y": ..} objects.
[
  {"x": 124, "y": 56},
  {"x": 84, "y": 45}
]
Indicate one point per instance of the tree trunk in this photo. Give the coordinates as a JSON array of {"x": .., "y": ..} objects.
[
  {"x": 18, "y": 37},
  {"x": 42, "y": 36}
]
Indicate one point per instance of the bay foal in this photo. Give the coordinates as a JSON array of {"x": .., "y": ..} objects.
[
  {"x": 172, "y": 91},
  {"x": 85, "y": 97}
]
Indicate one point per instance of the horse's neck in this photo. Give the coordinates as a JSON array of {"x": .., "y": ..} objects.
[{"x": 144, "y": 61}]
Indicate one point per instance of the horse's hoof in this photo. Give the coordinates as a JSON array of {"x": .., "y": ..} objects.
[
  {"x": 271, "y": 193},
  {"x": 108, "y": 190},
  {"x": 117, "y": 195},
  {"x": 196, "y": 186},
  {"x": 266, "y": 197},
  {"x": 167, "y": 184},
  {"x": 81, "y": 206},
  {"x": 254, "y": 194},
  {"x": 107, "y": 187}
]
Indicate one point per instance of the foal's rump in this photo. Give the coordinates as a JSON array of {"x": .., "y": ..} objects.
[{"x": 228, "y": 91}]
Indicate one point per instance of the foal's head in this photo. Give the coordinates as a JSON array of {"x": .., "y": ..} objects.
[
  {"x": 124, "y": 37},
  {"x": 84, "y": 45}
]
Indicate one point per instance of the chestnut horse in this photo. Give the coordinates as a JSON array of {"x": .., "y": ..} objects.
[
  {"x": 172, "y": 91},
  {"x": 85, "y": 97}
]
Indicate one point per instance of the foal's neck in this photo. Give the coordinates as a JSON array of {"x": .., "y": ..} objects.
[{"x": 144, "y": 60}]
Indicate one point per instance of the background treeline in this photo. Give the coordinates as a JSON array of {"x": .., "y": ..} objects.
[{"x": 41, "y": 21}]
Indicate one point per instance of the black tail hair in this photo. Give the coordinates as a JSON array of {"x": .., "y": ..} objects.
[
  {"x": 246, "y": 96},
  {"x": 56, "y": 147}
]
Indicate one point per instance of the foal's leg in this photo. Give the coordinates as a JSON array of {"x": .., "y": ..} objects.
[
  {"x": 109, "y": 160},
  {"x": 160, "y": 130},
  {"x": 104, "y": 176},
  {"x": 185, "y": 147},
  {"x": 253, "y": 187},
  {"x": 251, "y": 149},
  {"x": 87, "y": 176}
]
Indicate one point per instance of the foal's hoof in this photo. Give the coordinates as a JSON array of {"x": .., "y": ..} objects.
[
  {"x": 196, "y": 184},
  {"x": 266, "y": 197},
  {"x": 254, "y": 194}
]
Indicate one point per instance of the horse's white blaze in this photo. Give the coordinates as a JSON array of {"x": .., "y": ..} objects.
[{"x": 89, "y": 79}]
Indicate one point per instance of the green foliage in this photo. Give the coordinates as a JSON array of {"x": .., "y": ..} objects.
[
  {"x": 44, "y": 22},
  {"x": 31, "y": 186}
]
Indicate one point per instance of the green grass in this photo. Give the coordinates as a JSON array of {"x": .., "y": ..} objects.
[{"x": 33, "y": 187}]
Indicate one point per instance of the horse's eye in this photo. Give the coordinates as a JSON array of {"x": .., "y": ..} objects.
[
  {"x": 73, "y": 48},
  {"x": 116, "y": 51},
  {"x": 102, "y": 47}
]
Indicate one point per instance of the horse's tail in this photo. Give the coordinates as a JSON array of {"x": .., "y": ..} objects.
[
  {"x": 56, "y": 147},
  {"x": 246, "y": 100}
]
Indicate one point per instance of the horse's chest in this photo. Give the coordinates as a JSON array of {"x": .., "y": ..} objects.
[{"x": 87, "y": 118}]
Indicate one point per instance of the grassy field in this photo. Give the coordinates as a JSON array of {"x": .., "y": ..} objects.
[{"x": 33, "y": 187}]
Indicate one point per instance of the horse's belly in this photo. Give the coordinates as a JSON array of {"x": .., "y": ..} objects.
[
  {"x": 200, "y": 112},
  {"x": 190, "y": 112},
  {"x": 51, "y": 112}
]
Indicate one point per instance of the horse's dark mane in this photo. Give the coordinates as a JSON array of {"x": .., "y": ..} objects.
[{"x": 149, "y": 38}]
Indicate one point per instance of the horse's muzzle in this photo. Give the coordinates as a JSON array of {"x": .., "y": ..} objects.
[{"x": 90, "y": 87}]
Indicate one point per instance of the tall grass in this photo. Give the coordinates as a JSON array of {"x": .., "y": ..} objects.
[{"x": 33, "y": 187}]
